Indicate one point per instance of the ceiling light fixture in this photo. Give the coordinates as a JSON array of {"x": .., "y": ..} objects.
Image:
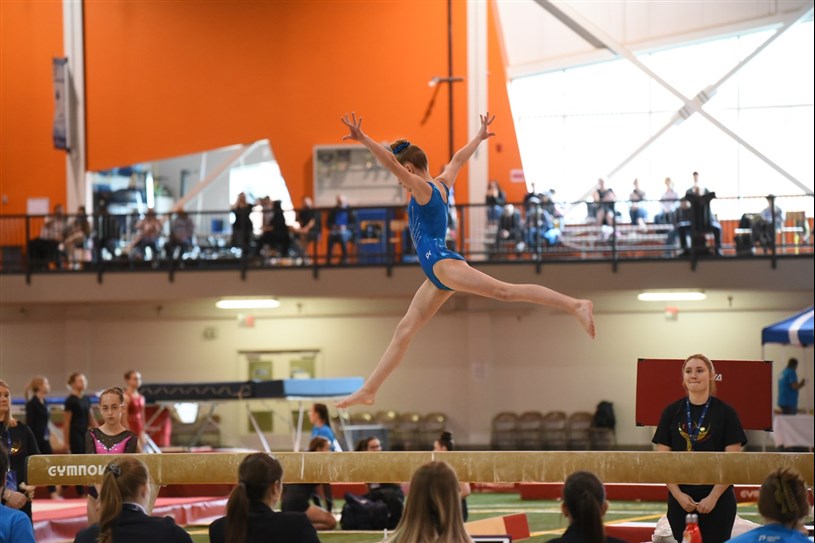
[
  {"x": 672, "y": 296},
  {"x": 248, "y": 303}
]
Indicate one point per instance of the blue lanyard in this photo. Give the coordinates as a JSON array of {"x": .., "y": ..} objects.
[{"x": 693, "y": 435}]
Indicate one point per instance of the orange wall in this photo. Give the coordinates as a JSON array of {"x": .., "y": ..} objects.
[
  {"x": 30, "y": 36},
  {"x": 170, "y": 78}
]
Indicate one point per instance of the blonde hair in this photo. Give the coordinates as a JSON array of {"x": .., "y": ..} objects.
[
  {"x": 710, "y": 368},
  {"x": 433, "y": 509},
  {"x": 35, "y": 385},
  {"x": 8, "y": 420}
]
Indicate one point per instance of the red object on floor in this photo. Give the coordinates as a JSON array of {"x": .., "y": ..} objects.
[
  {"x": 60, "y": 520},
  {"x": 338, "y": 490},
  {"x": 625, "y": 492},
  {"x": 631, "y": 532}
]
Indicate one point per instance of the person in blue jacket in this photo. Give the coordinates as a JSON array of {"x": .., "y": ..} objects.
[{"x": 446, "y": 270}]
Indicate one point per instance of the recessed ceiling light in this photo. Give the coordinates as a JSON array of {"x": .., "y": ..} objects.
[
  {"x": 675, "y": 296},
  {"x": 248, "y": 303}
]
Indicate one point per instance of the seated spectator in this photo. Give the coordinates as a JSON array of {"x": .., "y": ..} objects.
[
  {"x": 584, "y": 504},
  {"x": 540, "y": 223},
  {"x": 510, "y": 228},
  {"x": 308, "y": 498},
  {"x": 124, "y": 500},
  {"x": 310, "y": 226},
  {"x": 77, "y": 235},
  {"x": 682, "y": 228},
  {"x": 669, "y": 202},
  {"x": 107, "y": 233},
  {"x": 636, "y": 211},
  {"x": 342, "y": 224},
  {"x": 446, "y": 443},
  {"x": 148, "y": 230},
  {"x": 495, "y": 200},
  {"x": 182, "y": 231},
  {"x": 15, "y": 526},
  {"x": 783, "y": 503},
  {"x": 604, "y": 199},
  {"x": 389, "y": 493},
  {"x": 44, "y": 250},
  {"x": 433, "y": 508},
  {"x": 250, "y": 517},
  {"x": 772, "y": 221}
]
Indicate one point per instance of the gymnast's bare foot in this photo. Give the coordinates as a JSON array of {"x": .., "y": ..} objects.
[
  {"x": 361, "y": 396},
  {"x": 584, "y": 314}
]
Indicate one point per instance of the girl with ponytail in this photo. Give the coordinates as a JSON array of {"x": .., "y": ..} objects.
[
  {"x": 123, "y": 500},
  {"x": 584, "y": 504},
  {"x": 249, "y": 515},
  {"x": 446, "y": 443},
  {"x": 784, "y": 505}
]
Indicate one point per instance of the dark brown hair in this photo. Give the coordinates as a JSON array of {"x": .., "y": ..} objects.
[
  {"x": 409, "y": 153},
  {"x": 446, "y": 441},
  {"x": 322, "y": 411},
  {"x": 257, "y": 472},
  {"x": 318, "y": 443},
  {"x": 584, "y": 496},
  {"x": 783, "y": 497}
]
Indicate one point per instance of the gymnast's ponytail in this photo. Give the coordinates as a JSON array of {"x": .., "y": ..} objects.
[
  {"x": 256, "y": 474},
  {"x": 121, "y": 482},
  {"x": 584, "y": 498}
]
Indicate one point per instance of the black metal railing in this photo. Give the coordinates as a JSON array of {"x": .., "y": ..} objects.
[{"x": 516, "y": 233}]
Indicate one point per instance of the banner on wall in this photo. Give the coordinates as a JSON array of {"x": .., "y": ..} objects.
[
  {"x": 60, "y": 76},
  {"x": 747, "y": 385}
]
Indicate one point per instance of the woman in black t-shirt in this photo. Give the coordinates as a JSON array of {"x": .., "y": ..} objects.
[
  {"x": 700, "y": 422},
  {"x": 77, "y": 418}
]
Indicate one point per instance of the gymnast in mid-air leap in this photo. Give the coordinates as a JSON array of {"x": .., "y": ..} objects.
[{"x": 446, "y": 270}]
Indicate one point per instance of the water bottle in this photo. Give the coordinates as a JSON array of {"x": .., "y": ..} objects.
[{"x": 692, "y": 533}]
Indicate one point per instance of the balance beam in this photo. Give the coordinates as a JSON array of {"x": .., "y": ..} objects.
[{"x": 476, "y": 467}]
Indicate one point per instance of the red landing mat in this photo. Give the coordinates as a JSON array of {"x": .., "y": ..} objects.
[
  {"x": 60, "y": 520},
  {"x": 625, "y": 492}
]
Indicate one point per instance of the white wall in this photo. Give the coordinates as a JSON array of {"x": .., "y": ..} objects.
[{"x": 468, "y": 363}]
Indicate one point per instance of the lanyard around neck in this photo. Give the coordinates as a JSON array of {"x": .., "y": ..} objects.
[{"x": 693, "y": 435}]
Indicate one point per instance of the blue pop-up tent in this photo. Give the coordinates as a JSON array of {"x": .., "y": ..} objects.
[{"x": 794, "y": 330}]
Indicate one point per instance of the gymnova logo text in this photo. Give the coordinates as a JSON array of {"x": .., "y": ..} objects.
[{"x": 76, "y": 470}]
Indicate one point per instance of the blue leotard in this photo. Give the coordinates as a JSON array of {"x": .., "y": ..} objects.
[{"x": 428, "y": 228}]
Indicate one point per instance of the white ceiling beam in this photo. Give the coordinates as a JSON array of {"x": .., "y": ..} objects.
[
  {"x": 708, "y": 92},
  {"x": 691, "y": 105}
]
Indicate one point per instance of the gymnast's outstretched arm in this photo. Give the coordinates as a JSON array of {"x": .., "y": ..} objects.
[
  {"x": 463, "y": 155},
  {"x": 416, "y": 184}
]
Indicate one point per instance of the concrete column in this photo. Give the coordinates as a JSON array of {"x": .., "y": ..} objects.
[{"x": 78, "y": 189}]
